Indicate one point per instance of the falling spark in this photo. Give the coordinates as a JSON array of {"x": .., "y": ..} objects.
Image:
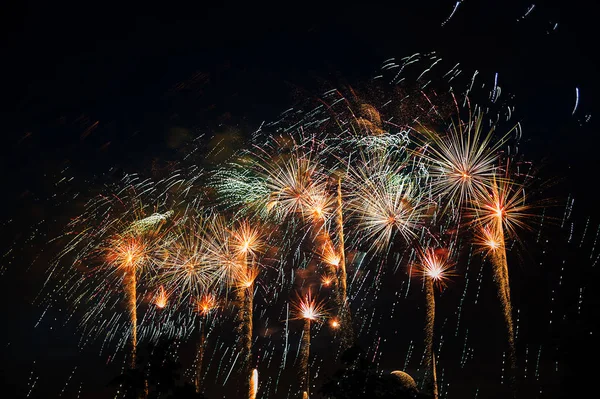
[{"x": 576, "y": 100}]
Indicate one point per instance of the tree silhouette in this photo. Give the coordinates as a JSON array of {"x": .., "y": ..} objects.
[{"x": 358, "y": 379}]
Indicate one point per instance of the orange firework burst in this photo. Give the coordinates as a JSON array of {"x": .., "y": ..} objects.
[
  {"x": 135, "y": 251},
  {"x": 130, "y": 253},
  {"x": 206, "y": 304},
  {"x": 276, "y": 180},
  {"x": 329, "y": 255},
  {"x": 327, "y": 279},
  {"x": 319, "y": 205},
  {"x": 435, "y": 265},
  {"x": 488, "y": 239},
  {"x": 334, "y": 323},
  {"x": 161, "y": 298},
  {"x": 498, "y": 213},
  {"x": 310, "y": 310},
  {"x": 503, "y": 207},
  {"x": 246, "y": 239}
]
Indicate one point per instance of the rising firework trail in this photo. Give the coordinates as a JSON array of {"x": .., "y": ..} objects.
[
  {"x": 132, "y": 252},
  {"x": 246, "y": 243},
  {"x": 205, "y": 306},
  {"x": 345, "y": 314},
  {"x": 309, "y": 310},
  {"x": 254, "y": 384},
  {"x": 498, "y": 213},
  {"x": 434, "y": 267}
]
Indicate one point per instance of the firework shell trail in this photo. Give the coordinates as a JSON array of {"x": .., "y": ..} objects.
[
  {"x": 131, "y": 288},
  {"x": 200, "y": 358},
  {"x": 205, "y": 305},
  {"x": 245, "y": 327},
  {"x": 254, "y": 384},
  {"x": 433, "y": 266},
  {"x": 500, "y": 266},
  {"x": 347, "y": 330},
  {"x": 429, "y": 324},
  {"x": 309, "y": 310},
  {"x": 499, "y": 213},
  {"x": 305, "y": 357}
]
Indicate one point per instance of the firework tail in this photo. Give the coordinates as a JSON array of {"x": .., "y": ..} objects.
[
  {"x": 345, "y": 315},
  {"x": 434, "y": 376},
  {"x": 146, "y": 388},
  {"x": 304, "y": 356},
  {"x": 245, "y": 316},
  {"x": 254, "y": 384},
  {"x": 429, "y": 323},
  {"x": 500, "y": 266},
  {"x": 198, "y": 375},
  {"x": 248, "y": 305},
  {"x": 131, "y": 288}
]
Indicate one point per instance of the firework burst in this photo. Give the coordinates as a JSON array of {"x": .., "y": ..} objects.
[
  {"x": 462, "y": 162},
  {"x": 434, "y": 267},
  {"x": 187, "y": 269},
  {"x": 498, "y": 213},
  {"x": 385, "y": 199},
  {"x": 135, "y": 252},
  {"x": 310, "y": 310},
  {"x": 205, "y": 305}
]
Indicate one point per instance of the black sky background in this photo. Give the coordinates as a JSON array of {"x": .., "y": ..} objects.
[{"x": 144, "y": 74}]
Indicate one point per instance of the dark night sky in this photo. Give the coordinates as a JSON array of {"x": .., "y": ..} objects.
[{"x": 67, "y": 66}]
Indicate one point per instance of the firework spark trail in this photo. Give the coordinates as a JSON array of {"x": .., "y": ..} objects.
[
  {"x": 200, "y": 358},
  {"x": 304, "y": 358},
  {"x": 245, "y": 243},
  {"x": 434, "y": 269},
  {"x": 245, "y": 297},
  {"x": 429, "y": 323},
  {"x": 205, "y": 305},
  {"x": 345, "y": 313},
  {"x": 502, "y": 210},
  {"x": 307, "y": 309},
  {"x": 254, "y": 384},
  {"x": 131, "y": 284},
  {"x": 500, "y": 266}
]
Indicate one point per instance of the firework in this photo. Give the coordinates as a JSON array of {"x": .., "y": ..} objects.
[
  {"x": 133, "y": 252},
  {"x": 223, "y": 253},
  {"x": 463, "y": 162},
  {"x": 498, "y": 213},
  {"x": 188, "y": 269},
  {"x": 254, "y": 384},
  {"x": 345, "y": 314},
  {"x": 246, "y": 242},
  {"x": 275, "y": 183},
  {"x": 385, "y": 199},
  {"x": 205, "y": 305},
  {"x": 309, "y": 310},
  {"x": 161, "y": 298},
  {"x": 434, "y": 267}
]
